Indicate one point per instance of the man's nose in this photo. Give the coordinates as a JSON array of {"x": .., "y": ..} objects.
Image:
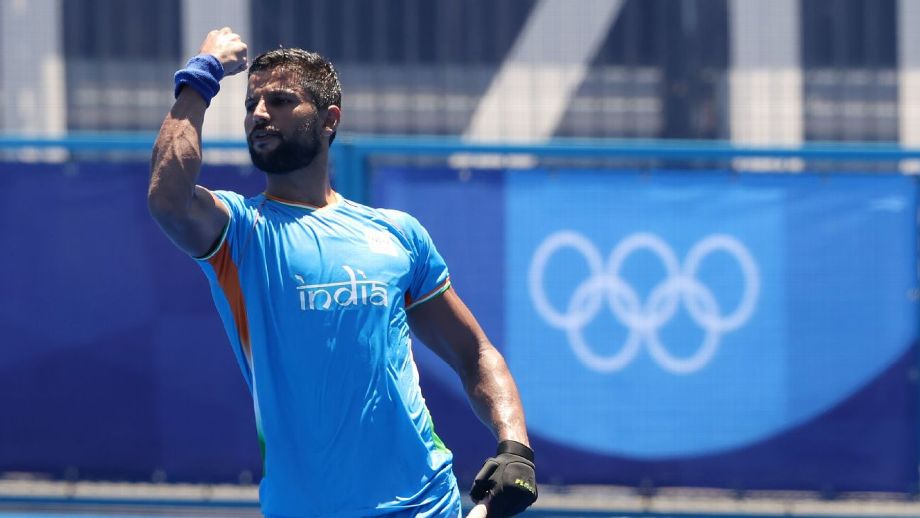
[{"x": 260, "y": 113}]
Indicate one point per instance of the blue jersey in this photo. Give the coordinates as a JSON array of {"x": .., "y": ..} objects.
[{"x": 314, "y": 301}]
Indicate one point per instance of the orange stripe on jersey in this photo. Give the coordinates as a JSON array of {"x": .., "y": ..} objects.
[{"x": 229, "y": 279}]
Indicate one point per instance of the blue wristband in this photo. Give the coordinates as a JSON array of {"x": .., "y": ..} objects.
[{"x": 203, "y": 73}]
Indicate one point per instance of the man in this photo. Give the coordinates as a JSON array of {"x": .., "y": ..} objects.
[{"x": 318, "y": 295}]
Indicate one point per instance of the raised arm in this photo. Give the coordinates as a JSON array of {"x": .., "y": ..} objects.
[
  {"x": 448, "y": 327},
  {"x": 187, "y": 212}
]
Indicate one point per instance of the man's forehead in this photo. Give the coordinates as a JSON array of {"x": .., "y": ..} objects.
[{"x": 276, "y": 79}]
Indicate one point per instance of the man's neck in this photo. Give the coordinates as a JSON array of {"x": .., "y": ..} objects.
[{"x": 309, "y": 185}]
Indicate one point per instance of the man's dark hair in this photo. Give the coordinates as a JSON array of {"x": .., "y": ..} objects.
[{"x": 317, "y": 75}]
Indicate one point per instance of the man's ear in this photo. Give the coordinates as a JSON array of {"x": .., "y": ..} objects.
[{"x": 331, "y": 122}]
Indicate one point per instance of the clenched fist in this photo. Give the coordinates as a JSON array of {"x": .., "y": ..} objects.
[{"x": 228, "y": 48}]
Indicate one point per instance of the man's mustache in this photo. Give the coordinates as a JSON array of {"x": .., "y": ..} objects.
[{"x": 264, "y": 130}]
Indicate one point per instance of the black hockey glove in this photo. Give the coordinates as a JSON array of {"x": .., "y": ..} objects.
[{"x": 510, "y": 478}]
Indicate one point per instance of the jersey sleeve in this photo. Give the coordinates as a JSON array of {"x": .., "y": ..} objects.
[
  {"x": 430, "y": 277},
  {"x": 220, "y": 266},
  {"x": 242, "y": 218}
]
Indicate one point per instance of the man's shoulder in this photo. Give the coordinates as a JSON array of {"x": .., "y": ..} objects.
[
  {"x": 233, "y": 195},
  {"x": 399, "y": 217},
  {"x": 237, "y": 200},
  {"x": 394, "y": 216},
  {"x": 399, "y": 221}
]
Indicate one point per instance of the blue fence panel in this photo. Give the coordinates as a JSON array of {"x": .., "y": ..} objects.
[
  {"x": 114, "y": 363},
  {"x": 689, "y": 328}
]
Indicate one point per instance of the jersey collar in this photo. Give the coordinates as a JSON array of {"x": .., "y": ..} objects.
[{"x": 302, "y": 205}]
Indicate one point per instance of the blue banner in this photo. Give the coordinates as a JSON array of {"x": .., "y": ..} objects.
[
  {"x": 709, "y": 315},
  {"x": 691, "y": 328}
]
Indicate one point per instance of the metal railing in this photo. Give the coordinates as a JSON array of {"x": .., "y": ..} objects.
[{"x": 350, "y": 154}]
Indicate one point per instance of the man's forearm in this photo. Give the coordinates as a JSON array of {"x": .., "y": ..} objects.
[
  {"x": 494, "y": 395},
  {"x": 176, "y": 159}
]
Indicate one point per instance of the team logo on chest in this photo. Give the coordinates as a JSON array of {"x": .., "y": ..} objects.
[
  {"x": 380, "y": 242},
  {"x": 356, "y": 291}
]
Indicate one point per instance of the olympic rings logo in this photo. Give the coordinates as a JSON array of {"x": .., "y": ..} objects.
[{"x": 644, "y": 319}]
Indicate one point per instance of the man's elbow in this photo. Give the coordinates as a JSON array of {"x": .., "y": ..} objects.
[
  {"x": 158, "y": 205},
  {"x": 164, "y": 209}
]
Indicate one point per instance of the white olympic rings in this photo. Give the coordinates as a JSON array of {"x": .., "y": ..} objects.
[{"x": 644, "y": 320}]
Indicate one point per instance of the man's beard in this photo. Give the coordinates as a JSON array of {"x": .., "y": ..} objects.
[{"x": 292, "y": 153}]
